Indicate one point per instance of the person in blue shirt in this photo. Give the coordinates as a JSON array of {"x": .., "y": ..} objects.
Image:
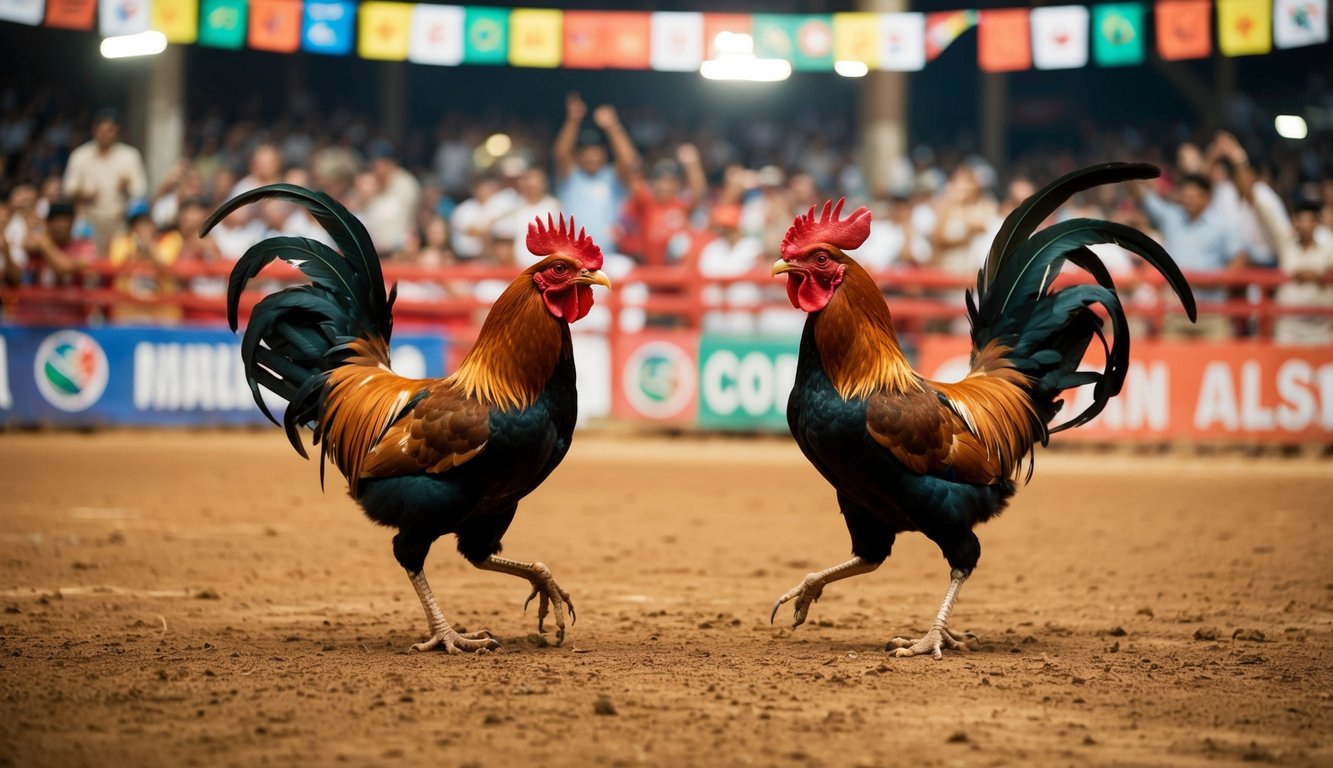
[
  {"x": 1200, "y": 240},
  {"x": 590, "y": 187}
]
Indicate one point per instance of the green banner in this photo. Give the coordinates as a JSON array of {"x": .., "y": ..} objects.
[
  {"x": 222, "y": 23},
  {"x": 744, "y": 382},
  {"x": 1117, "y": 34},
  {"x": 486, "y": 36},
  {"x": 806, "y": 40}
]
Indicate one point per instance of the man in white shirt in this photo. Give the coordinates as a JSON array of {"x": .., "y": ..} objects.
[
  {"x": 103, "y": 176},
  {"x": 532, "y": 200}
]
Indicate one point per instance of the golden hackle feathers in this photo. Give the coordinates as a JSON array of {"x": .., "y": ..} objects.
[
  {"x": 994, "y": 403},
  {"x": 362, "y": 400},
  {"x": 857, "y": 344},
  {"x": 846, "y": 234}
]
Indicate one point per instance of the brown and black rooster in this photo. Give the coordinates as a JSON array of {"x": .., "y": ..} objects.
[
  {"x": 908, "y": 454},
  {"x": 432, "y": 456}
]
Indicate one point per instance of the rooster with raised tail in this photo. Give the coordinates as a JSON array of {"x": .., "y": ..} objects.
[
  {"x": 909, "y": 454},
  {"x": 426, "y": 456}
]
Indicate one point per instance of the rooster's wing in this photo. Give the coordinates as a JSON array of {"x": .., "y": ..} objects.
[
  {"x": 929, "y": 433},
  {"x": 442, "y": 430}
]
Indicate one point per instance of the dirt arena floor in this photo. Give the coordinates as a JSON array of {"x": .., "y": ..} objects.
[{"x": 193, "y": 599}]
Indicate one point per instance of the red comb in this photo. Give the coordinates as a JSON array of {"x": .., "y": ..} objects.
[
  {"x": 546, "y": 239},
  {"x": 845, "y": 233}
]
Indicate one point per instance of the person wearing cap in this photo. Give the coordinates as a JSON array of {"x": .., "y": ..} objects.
[
  {"x": 591, "y": 190},
  {"x": 103, "y": 176},
  {"x": 143, "y": 268},
  {"x": 659, "y": 208}
]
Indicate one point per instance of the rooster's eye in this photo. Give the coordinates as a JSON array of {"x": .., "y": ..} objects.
[
  {"x": 559, "y": 268},
  {"x": 821, "y": 259}
]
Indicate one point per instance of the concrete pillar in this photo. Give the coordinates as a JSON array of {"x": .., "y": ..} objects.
[
  {"x": 160, "y": 106},
  {"x": 883, "y": 112},
  {"x": 994, "y": 128}
]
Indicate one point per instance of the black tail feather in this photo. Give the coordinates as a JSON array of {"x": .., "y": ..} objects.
[
  {"x": 1048, "y": 331},
  {"x": 299, "y": 334}
]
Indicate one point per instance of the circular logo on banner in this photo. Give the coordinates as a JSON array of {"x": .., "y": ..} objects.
[
  {"x": 659, "y": 379},
  {"x": 814, "y": 39},
  {"x": 71, "y": 370}
]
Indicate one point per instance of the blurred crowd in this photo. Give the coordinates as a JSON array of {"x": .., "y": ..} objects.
[{"x": 708, "y": 197}]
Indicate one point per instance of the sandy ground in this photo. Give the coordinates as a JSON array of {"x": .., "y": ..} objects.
[{"x": 193, "y": 599}]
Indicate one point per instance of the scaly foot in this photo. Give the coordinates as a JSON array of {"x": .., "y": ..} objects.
[
  {"x": 805, "y": 593},
  {"x": 552, "y": 596},
  {"x": 453, "y": 643},
  {"x": 934, "y": 643}
]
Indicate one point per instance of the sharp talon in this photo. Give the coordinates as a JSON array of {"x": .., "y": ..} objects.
[
  {"x": 773, "y": 616},
  {"x": 527, "y": 602}
]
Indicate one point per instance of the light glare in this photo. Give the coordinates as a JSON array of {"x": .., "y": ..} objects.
[
  {"x": 1291, "y": 127},
  {"x": 497, "y": 144},
  {"x": 752, "y": 69},
  {"x": 848, "y": 68},
  {"x": 148, "y": 43}
]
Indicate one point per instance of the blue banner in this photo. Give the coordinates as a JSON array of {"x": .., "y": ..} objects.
[
  {"x": 327, "y": 27},
  {"x": 147, "y": 376}
]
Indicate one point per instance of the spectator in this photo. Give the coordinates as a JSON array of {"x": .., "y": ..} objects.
[
  {"x": 728, "y": 254},
  {"x": 767, "y": 213},
  {"x": 11, "y": 274},
  {"x": 142, "y": 269},
  {"x": 183, "y": 246},
  {"x": 589, "y": 189},
  {"x": 1200, "y": 241},
  {"x": 659, "y": 208},
  {"x": 22, "y": 205},
  {"x": 533, "y": 200},
  {"x": 964, "y": 215},
  {"x": 471, "y": 223},
  {"x": 397, "y": 201},
  {"x": 265, "y": 168},
  {"x": 55, "y": 255},
  {"x": 894, "y": 238},
  {"x": 103, "y": 177}
]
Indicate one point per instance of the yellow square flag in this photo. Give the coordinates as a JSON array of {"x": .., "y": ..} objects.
[
  {"x": 535, "y": 37},
  {"x": 386, "y": 31}
]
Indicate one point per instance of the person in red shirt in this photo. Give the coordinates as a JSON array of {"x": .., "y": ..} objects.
[
  {"x": 657, "y": 214},
  {"x": 55, "y": 255}
]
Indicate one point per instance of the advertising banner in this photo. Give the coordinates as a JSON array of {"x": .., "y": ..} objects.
[
  {"x": 147, "y": 376},
  {"x": 1244, "y": 391},
  {"x": 744, "y": 381},
  {"x": 654, "y": 377}
]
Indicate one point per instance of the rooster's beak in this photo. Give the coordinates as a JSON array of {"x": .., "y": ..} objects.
[
  {"x": 780, "y": 266},
  {"x": 593, "y": 278}
]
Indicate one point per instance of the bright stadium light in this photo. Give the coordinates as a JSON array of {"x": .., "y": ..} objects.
[
  {"x": 497, "y": 144},
  {"x": 1291, "y": 127},
  {"x": 736, "y": 61},
  {"x": 148, "y": 43},
  {"x": 850, "y": 68}
]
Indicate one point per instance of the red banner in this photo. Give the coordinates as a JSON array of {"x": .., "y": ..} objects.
[
  {"x": 71, "y": 14},
  {"x": 1184, "y": 29},
  {"x": 654, "y": 377},
  {"x": 1244, "y": 391},
  {"x": 1003, "y": 42}
]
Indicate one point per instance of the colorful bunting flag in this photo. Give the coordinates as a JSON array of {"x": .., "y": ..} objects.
[
  {"x": 28, "y": 12},
  {"x": 628, "y": 37},
  {"x": 386, "y": 31},
  {"x": 945, "y": 27},
  {"x": 1002, "y": 40},
  {"x": 1299, "y": 23},
  {"x": 275, "y": 25},
  {"x": 856, "y": 38},
  {"x": 327, "y": 27},
  {"x": 177, "y": 20},
  {"x": 118, "y": 17},
  {"x": 486, "y": 36},
  {"x": 437, "y": 35},
  {"x": 902, "y": 41},
  {"x": 534, "y": 37},
  {"x": 584, "y": 44},
  {"x": 71, "y": 14},
  {"x": 1060, "y": 37},
  {"x": 717, "y": 23},
  {"x": 1244, "y": 27},
  {"x": 677, "y": 43},
  {"x": 1117, "y": 34},
  {"x": 222, "y": 23},
  {"x": 1183, "y": 29}
]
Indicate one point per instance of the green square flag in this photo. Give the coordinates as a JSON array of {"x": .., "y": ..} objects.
[
  {"x": 222, "y": 23},
  {"x": 1117, "y": 34},
  {"x": 486, "y": 36},
  {"x": 804, "y": 40}
]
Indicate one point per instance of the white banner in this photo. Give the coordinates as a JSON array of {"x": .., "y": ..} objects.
[
  {"x": 1060, "y": 37},
  {"x": 902, "y": 41},
  {"x": 122, "y": 17},
  {"x": 1300, "y": 22},
  {"x": 22, "y": 11},
  {"x": 437, "y": 35},
  {"x": 677, "y": 41}
]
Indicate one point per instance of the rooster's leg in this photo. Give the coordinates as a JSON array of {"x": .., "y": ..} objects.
[
  {"x": 554, "y": 599},
  {"x": 812, "y": 586},
  {"x": 442, "y": 636},
  {"x": 939, "y": 637}
]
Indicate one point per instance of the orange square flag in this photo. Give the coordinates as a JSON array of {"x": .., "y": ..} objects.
[
  {"x": 1183, "y": 29},
  {"x": 534, "y": 37},
  {"x": 71, "y": 14},
  {"x": 1244, "y": 27},
  {"x": 585, "y": 35},
  {"x": 177, "y": 20},
  {"x": 386, "y": 31},
  {"x": 275, "y": 25},
  {"x": 628, "y": 39},
  {"x": 1003, "y": 43}
]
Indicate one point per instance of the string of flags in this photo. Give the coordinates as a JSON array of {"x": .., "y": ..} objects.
[{"x": 1050, "y": 37}]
